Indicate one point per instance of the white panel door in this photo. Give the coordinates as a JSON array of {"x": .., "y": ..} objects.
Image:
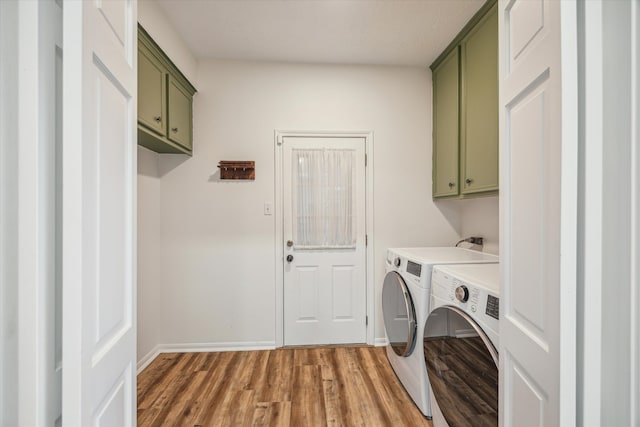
[
  {"x": 324, "y": 240},
  {"x": 99, "y": 200},
  {"x": 538, "y": 218}
]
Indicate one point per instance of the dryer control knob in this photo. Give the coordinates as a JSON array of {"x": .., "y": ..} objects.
[
  {"x": 462, "y": 293},
  {"x": 397, "y": 262}
]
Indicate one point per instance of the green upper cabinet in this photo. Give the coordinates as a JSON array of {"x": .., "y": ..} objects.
[
  {"x": 151, "y": 94},
  {"x": 465, "y": 111},
  {"x": 479, "y": 107},
  {"x": 165, "y": 100},
  {"x": 179, "y": 114},
  {"x": 445, "y": 126}
]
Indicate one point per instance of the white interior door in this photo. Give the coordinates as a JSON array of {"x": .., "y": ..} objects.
[
  {"x": 324, "y": 240},
  {"x": 538, "y": 175},
  {"x": 99, "y": 181}
]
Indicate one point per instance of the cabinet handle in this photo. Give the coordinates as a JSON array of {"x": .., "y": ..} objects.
[
  {"x": 174, "y": 130},
  {"x": 468, "y": 181},
  {"x": 158, "y": 119},
  {"x": 451, "y": 185}
]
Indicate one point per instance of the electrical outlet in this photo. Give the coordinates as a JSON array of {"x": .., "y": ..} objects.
[{"x": 476, "y": 240}]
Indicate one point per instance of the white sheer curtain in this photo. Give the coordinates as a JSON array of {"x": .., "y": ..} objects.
[{"x": 323, "y": 199}]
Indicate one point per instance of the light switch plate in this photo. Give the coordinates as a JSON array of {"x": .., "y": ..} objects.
[{"x": 268, "y": 208}]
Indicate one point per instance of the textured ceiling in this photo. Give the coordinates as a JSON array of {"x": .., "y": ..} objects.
[{"x": 388, "y": 32}]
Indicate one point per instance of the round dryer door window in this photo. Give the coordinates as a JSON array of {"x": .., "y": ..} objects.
[
  {"x": 462, "y": 365},
  {"x": 399, "y": 314}
]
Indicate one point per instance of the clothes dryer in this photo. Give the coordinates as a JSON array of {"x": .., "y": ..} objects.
[
  {"x": 406, "y": 295},
  {"x": 462, "y": 359}
]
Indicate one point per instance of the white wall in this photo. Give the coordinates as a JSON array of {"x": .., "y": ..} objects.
[
  {"x": 157, "y": 25},
  {"x": 480, "y": 217},
  {"x": 149, "y": 269},
  {"x": 217, "y": 259},
  {"x": 155, "y": 22}
]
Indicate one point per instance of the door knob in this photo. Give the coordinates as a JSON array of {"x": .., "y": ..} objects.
[
  {"x": 289, "y": 258},
  {"x": 468, "y": 181},
  {"x": 289, "y": 243},
  {"x": 158, "y": 119}
]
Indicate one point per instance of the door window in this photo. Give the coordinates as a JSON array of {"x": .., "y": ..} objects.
[{"x": 323, "y": 198}]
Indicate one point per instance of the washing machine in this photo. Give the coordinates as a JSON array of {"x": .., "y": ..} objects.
[
  {"x": 462, "y": 359},
  {"x": 406, "y": 295}
]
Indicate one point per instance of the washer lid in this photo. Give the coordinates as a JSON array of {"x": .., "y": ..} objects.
[
  {"x": 443, "y": 255},
  {"x": 399, "y": 314}
]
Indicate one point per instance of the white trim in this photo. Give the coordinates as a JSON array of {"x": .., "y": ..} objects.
[
  {"x": 381, "y": 342},
  {"x": 8, "y": 213},
  {"x": 147, "y": 359},
  {"x": 31, "y": 398},
  {"x": 635, "y": 215},
  {"x": 593, "y": 216},
  {"x": 202, "y": 348},
  {"x": 568, "y": 210},
  {"x": 279, "y": 250},
  {"x": 217, "y": 346},
  {"x": 72, "y": 150}
]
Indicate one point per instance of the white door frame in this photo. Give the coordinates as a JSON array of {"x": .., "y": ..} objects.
[
  {"x": 38, "y": 390},
  {"x": 279, "y": 237},
  {"x": 608, "y": 374}
]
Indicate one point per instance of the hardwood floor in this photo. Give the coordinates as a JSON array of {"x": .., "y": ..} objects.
[{"x": 333, "y": 386}]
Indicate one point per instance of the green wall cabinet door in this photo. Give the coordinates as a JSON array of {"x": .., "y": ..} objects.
[
  {"x": 445, "y": 127},
  {"x": 179, "y": 114},
  {"x": 479, "y": 107},
  {"x": 465, "y": 110},
  {"x": 151, "y": 95},
  {"x": 165, "y": 100}
]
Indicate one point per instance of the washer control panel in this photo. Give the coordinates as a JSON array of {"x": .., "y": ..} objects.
[
  {"x": 411, "y": 271},
  {"x": 493, "y": 307},
  {"x": 473, "y": 298}
]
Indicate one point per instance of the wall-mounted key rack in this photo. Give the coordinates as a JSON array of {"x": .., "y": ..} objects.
[{"x": 237, "y": 169}]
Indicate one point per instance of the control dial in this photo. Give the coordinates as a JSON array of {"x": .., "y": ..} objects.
[
  {"x": 462, "y": 293},
  {"x": 397, "y": 262}
]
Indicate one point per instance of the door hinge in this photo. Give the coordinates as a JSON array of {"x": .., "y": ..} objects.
[
  {"x": 366, "y": 320},
  {"x": 365, "y": 160},
  {"x": 366, "y": 240}
]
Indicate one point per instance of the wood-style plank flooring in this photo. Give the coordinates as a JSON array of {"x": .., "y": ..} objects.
[{"x": 323, "y": 386}]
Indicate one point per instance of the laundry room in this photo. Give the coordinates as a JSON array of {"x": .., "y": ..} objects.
[
  {"x": 208, "y": 248},
  {"x": 207, "y": 251},
  {"x": 319, "y": 212}
]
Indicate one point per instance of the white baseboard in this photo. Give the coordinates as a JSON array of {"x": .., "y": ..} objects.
[
  {"x": 381, "y": 342},
  {"x": 202, "y": 347},
  {"x": 147, "y": 359}
]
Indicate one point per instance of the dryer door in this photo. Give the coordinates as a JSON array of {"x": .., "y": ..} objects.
[
  {"x": 399, "y": 314},
  {"x": 463, "y": 371}
]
